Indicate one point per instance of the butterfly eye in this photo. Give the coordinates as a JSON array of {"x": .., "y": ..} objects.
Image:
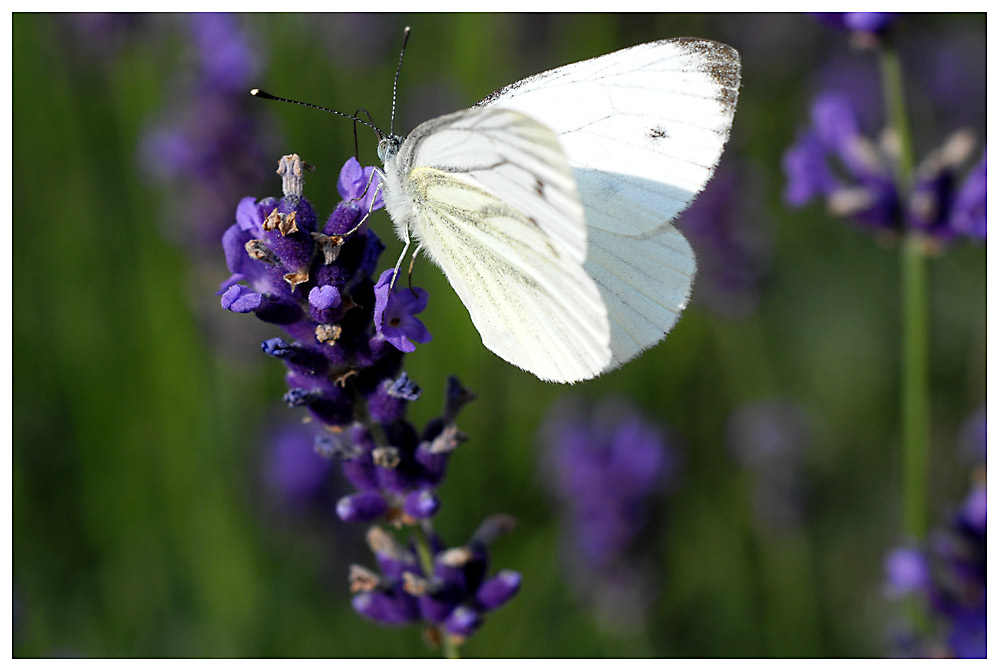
[{"x": 388, "y": 146}]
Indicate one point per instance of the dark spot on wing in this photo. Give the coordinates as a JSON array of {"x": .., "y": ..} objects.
[
  {"x": 658, "y": 132},
  {"x": 539, "y": 188}
]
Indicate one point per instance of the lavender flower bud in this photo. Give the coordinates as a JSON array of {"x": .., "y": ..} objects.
[
  {"x": 362, "y": 506},
  {"x": 421, "y": 504},
  {"x": 463, "y": 622},
  {"x": 497, "y": 591},
  {"x": 386, "y": 608}
]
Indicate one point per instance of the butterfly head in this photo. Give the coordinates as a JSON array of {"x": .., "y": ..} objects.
[{"x": 388, "y": 146}]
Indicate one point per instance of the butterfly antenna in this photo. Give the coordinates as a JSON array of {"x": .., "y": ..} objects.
[
  {"x": 357, "y": 152},
  {"x": 267, "y": 96},
  {"x": 395, "y": 81}
]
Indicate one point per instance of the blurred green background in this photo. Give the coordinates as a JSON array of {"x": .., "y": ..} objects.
[{"x": 142, "y": 524}]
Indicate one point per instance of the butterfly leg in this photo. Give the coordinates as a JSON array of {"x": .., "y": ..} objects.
[
  {"x": 399, "y": 262},
  {"x": 371, "y": 177},
  {"x": 370, "y": 207},
  {"x": 409, "y": 273}
]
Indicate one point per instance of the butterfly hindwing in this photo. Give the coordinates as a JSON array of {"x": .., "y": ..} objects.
[{"x": 490, "y": 196}]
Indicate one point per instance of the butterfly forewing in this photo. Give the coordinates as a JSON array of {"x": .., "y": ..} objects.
[{"x": 644, "y": 126}]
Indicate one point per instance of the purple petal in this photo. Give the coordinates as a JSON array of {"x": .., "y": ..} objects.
[
  {"x": 241, "y": 299},
  {"x": 351, "y": 183},
  {"x": 498, "y": 590},
  {"x": 249, "y": 216},
  {"x": 463, "y": 622},
  {"x": 367, "y": 505},
  {"x": 421, "y": 504},
  {"x": 834, "y": 119},
  {"x": 807, "y": 171},
  {"x": 234, "y": 242},
  {"x": 324, "y": 297},
  {"x": 386, "y": 608}
]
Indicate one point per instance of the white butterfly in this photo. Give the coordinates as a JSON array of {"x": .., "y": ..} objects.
[{"x": 548, "y": 205}]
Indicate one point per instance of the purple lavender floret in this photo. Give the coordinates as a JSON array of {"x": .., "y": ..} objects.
[
  {"x": 406, "y": 471},
  {"x": 833, "y": 161},
  {"x": 395, "y": 314},
  {"x": 939, "y": 200},
  {"x": 454, "y": 598}
]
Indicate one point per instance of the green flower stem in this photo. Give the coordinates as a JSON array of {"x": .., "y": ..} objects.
[
  {"x": 915, "y": 404},
  {"x": 449, "y": 648},
  {"x": 914, "y": 386},
  {"x": 915, "y": 396}
]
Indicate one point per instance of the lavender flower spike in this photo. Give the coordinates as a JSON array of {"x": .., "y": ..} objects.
[{"x": 343, "y": 351}]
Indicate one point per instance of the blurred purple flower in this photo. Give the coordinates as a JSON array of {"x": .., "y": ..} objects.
[
  {"x": 103, "y": 35},
  {"x": 769, "y": 439},
  {"x": 972, "y": 437},
  {"x": 832, "y": 160},
  {"x": 937, "y": 203},
  {"x": 968, "y": 216},
  {"x": 225, "y": 56},
  {"x": 949, "y": 578},
  {"x": 861, "y": 22},
  {"x": 604, "y": 465},
  {"x": 209, "y": 147},
  {"x": 731, "y": 243},
  {"x": 293, "y": 470},
  {"x": 907, "y": 572}
]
